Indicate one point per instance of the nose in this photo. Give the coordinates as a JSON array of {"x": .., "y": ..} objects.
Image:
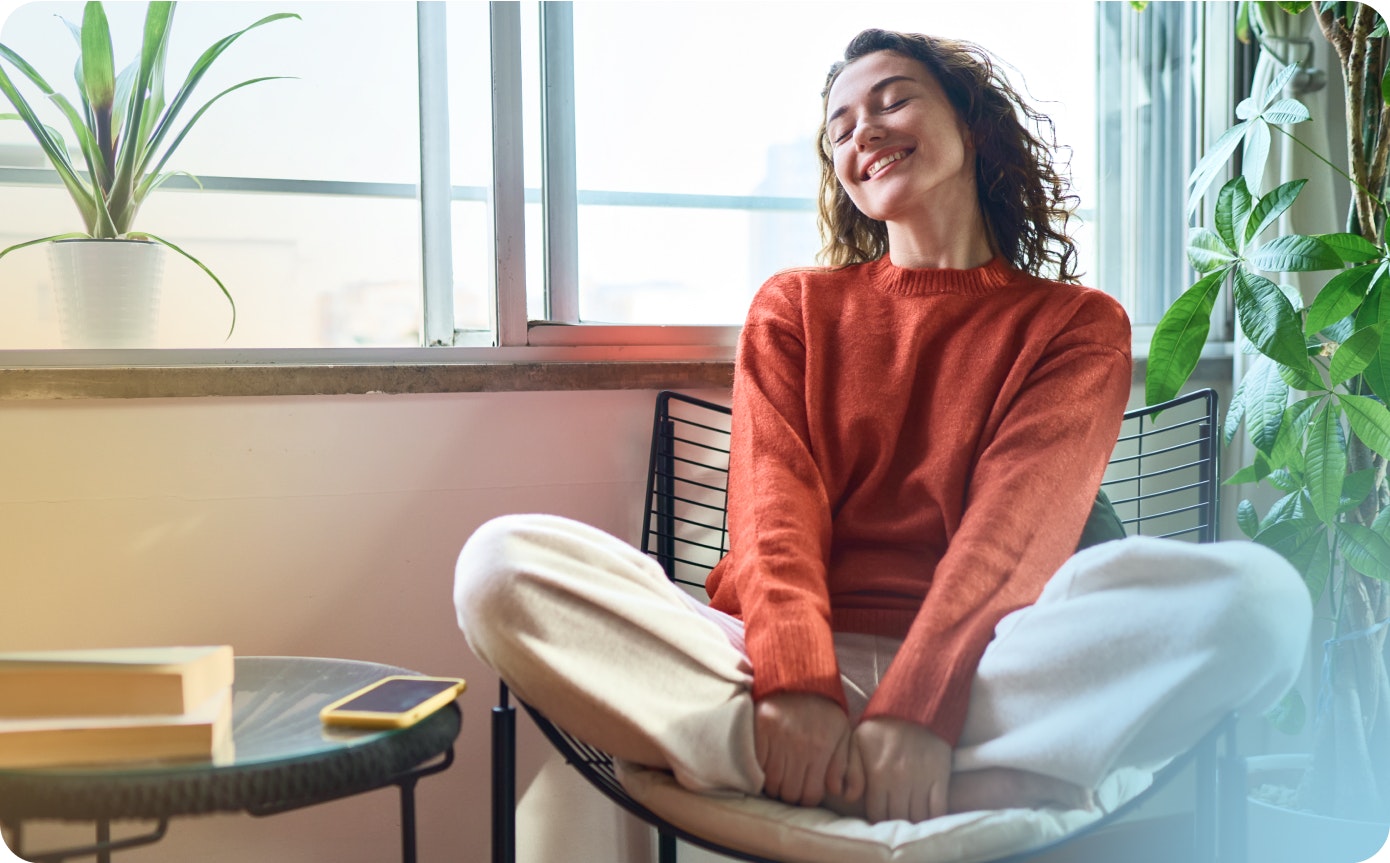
[{"x": 867, "y": 131}]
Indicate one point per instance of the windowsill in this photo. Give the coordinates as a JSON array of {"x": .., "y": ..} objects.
[
  {"x": 301, "y": 380},
  {"x": 155, "y": 374}
]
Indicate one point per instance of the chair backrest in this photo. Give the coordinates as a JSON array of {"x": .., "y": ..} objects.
[{"x": 1162, "y": 478}]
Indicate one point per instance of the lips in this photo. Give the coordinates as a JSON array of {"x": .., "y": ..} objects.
[{"x": 877, "y": 166}]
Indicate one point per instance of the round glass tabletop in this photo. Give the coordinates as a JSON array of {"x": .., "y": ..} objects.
[{"x": 283, "y": 755}]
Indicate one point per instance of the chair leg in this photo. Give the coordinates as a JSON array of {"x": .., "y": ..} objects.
[
  {"x": 665, "y": 847},
  {"x": 503, "y": 779}
]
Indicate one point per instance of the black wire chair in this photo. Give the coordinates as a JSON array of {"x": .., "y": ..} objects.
[{"x": 1162, "y": 481}]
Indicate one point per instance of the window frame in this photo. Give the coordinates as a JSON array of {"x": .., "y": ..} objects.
[{"x": 514, "y": 338}]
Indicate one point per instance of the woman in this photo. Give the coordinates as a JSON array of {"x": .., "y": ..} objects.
[{"x": 900, "y": 628}]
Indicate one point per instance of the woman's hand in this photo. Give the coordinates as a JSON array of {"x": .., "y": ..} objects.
[
  {"x": 906, "y": 769},
  {"x": 802, "y": 742}
]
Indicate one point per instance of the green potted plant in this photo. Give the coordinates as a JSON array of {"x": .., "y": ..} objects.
[
  {"x": 124, "y": 130},
  {"x": 1313, "y": 402}
]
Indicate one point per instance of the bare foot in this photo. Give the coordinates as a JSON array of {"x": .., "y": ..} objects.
[{"x": 1005, "y": 788}]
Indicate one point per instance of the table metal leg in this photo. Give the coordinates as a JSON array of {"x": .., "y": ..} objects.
[
  {"x": 408, "y": 821},
  {"x": 101, "y": 849}
]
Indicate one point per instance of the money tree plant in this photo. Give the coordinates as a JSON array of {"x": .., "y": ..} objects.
[{"x": 1313, "y": 401}]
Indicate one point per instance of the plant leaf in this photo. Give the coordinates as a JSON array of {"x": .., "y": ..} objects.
[
  {"x": 1207, "y": 251},
  {"x": 1254, "y": 155},
  {"x": 156, "y": 32},
  {"x": 1355, "y": 354},
  {"x": 1277, "y": 85},
  {"x": 1370, "y": 421},
  {"x": 1251, "y": 473},
  {"x": 1271, "y": 207},
  {"x": 1326, "y": 461},
  {"x": 1233, "y": 204},
  {"x": 1338, "y": 298},
  {"x": 1286, "y": 111},
  {"x": 1177, "y": 340},
  {"x": 75, "y": 235},
  {"x": 201, "y": 266},
  {"x": 1352, "y": 248},
  {"x": 1271, "y": 323},
  {"x": 1295, "y": 253},
  {"x": 53, "y": 147},
  {"x": 98, "y": 66},
  {"x": 1288, "y": 442},
  {"x": 1266, "y": 396},
  {"x": 185, "y": 93},
  {"x": 1212, "y": 164},
  {"x": 1365, "y": 550},
  {"x": 1356, "y": 488},
  {"x": 1247, "y": 519},
  {"x": 154, "y": 177}
]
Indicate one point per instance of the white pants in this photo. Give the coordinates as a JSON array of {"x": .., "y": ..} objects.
[{"x": 1134, "y": 650}]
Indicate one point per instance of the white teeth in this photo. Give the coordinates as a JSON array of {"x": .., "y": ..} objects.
[{"x": 885, "y": 161}]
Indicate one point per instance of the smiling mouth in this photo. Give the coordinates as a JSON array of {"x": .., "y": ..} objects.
[{"x": 885, "y": 162}]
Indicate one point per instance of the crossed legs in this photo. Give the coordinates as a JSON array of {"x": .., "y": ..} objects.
[{"x": 1132, "y": 652}]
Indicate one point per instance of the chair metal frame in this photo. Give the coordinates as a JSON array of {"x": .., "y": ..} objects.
[{"x": 1163, "y": 481}]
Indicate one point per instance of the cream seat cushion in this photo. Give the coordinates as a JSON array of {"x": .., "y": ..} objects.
[{"x": 796, "y": 834}]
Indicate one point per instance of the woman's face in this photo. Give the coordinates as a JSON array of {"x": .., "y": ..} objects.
[{"x": 898, "y": 146}]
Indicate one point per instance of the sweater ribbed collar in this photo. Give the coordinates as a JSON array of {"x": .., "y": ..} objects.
[{"x": 887, "y": 277}]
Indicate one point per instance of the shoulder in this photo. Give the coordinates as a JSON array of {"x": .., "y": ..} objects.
[
  {"x": 1085, "y": 310},
  {"x": 785, "y": 294}
]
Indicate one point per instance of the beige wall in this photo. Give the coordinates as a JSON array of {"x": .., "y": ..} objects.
[{"x": 320, "y": 526}]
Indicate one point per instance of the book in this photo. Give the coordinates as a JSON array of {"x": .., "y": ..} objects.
[
  {"x": 143, "y": 681},
  {"x": 204, "y": 733}
]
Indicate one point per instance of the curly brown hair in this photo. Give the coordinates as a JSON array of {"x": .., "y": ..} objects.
[{"x": 1026, "y": 199}]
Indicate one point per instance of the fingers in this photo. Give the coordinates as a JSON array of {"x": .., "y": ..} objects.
[
  {"x": 906, "y": 770},
  {"x": 801, "y": 742},
  {"x": 854, "y": 774},
  {"x": 835, "y": 770}
]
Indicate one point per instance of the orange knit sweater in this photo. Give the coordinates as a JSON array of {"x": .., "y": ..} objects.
[{"x": 914, "y": 454}]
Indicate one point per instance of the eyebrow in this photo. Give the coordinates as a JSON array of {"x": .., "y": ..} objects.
[{"x": 891, "y": 79}]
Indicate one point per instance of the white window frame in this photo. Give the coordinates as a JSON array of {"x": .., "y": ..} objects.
[{"x": 561, "y": 336}]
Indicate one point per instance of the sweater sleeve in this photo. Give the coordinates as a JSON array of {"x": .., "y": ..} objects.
[
  {"x": 779, "y": 513},
  {"x": 1026, "y": 503}
]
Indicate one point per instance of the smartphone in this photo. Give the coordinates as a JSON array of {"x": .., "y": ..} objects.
[{"x": 392, "y": 702}]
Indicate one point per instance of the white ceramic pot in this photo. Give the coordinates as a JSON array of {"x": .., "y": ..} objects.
[
  {"x": 107, "y": 291},
  {"x": 1281, "y": 835}
]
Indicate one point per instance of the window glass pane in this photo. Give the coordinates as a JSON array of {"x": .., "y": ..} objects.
[
  {"x": 657, "y": 111},
  {"x": 331, "y": 262},
  {"x": 470, "y": 161}
]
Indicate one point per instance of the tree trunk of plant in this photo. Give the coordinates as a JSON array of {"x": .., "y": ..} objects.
[{"x": 1350, "y": 777}]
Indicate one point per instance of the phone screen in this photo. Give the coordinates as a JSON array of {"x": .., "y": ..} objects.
[{"x": 396, "y": 696}]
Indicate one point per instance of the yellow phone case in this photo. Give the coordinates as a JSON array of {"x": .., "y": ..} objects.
[{"x": 332, "y": 715}]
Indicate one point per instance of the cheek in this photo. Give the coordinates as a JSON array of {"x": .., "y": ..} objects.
[{"x": 841, "y": 169}]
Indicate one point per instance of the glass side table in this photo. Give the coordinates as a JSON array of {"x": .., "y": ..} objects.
[{"x": 285, "y": 759}]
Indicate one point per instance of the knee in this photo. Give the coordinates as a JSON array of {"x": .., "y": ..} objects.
[
  {"x": 1265, "y": 617},
  {"x": 487, "y": 570}
]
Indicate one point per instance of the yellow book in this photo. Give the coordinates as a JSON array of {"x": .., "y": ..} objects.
[
  {"x": 205, "y": 733},
  {"x": 150, "y": 681}
]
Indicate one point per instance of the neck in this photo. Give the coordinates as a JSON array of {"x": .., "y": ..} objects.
[{"x": 937, "y": 245}]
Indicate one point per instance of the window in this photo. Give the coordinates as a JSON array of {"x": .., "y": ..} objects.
[{"x": 536, "y": 175}]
